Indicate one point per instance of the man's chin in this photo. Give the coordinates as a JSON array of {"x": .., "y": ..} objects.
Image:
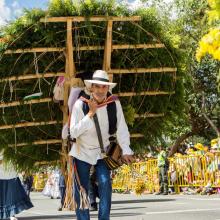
[{"x": 100, "y": 99}]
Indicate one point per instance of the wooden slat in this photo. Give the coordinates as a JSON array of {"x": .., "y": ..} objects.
[
  {"x": 58, "y": 141},
  {"x": 122, "y": 94},
  {"x": 28, "y": 124},
  {"x": 40, "y": 142},
  {"x": 71, "y": 67},
  {"x": 16, "y": 103},
  {"x": 42, "y": 163},
  {"x": 143, "y": 70},
  {"x": 108, "y": 50},
  {"x": 136, "y": 135},
  {"x": 149, "y": 115},
  {"x": 32, "y": 76},
  {"x": 137, "y": 46},
  {"x": 33, "y": 50},
  {"x": 148, "y": 93},
  {"x": 83, "y": 48},
  {"x": 93, "y": 18},
  {"x": 111, "y": 71}
]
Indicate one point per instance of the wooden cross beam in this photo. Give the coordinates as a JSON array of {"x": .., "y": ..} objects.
[{"x": 93, "y": 18}]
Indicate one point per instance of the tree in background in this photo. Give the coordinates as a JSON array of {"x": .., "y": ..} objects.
[{"x": 187, "y": 21}]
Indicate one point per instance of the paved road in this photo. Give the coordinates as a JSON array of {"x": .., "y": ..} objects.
[{"x": 132, "y": 207}]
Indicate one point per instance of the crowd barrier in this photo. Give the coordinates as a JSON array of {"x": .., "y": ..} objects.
[{"x": 184, "y": 171}]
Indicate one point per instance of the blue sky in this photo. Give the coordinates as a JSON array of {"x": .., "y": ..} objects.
[{"x": 10, "y": 9}]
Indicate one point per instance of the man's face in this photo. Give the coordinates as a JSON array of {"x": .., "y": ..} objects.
[{"x": 99, "y": 92}]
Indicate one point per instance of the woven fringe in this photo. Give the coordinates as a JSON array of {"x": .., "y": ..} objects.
[
  {"x": 69, "y": 202},
  {"x": 84, "y": 199}
]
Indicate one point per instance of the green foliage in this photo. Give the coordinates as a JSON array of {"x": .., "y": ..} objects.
[
  {"x": 29, "y": 32},
  {"x": 190, "y": 23},
  {"x": 129, "y": 113}
]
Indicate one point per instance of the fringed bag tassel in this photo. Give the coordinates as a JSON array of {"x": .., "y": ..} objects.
[
  {"x": 84, "y": 199},
  {"x": 69, "y": 202},
  {"x": 83, "y": 196}
]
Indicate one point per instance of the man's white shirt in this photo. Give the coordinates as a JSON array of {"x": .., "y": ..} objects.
[{"x": 82, "y": 127}]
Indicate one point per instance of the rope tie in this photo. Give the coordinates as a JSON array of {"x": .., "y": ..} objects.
[
  {"x": 11, "y": 89},
  {"x": 77, "y": 43},
  {"x": 15, "y": 140},
  {"x": 31, "y": 113},
  {"x": 47, "y": 149},
  {"x": 37, "y": 69},
  {"x": 3, "y": 115}
]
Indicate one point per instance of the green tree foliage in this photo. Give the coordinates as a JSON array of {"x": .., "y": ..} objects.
[{"x": 188, "y": 23}]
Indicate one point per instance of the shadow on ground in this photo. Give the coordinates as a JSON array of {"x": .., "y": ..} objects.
[
  {"x": 53, "y": 217},
  {"x": 142, "y": 200}
]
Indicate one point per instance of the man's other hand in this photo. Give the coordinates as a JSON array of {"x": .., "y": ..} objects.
[{"x": 128, "y": 158}]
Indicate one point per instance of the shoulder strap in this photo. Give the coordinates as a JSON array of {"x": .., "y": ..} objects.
[
  {"x": 85, "y": 105},
  {"x": 99, "y": 134},
  {"x": 112, "y": 117},
  {"x": 111, "y": 111}
]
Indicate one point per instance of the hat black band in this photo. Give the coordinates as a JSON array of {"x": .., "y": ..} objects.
[{"x": 100, "y": 79}]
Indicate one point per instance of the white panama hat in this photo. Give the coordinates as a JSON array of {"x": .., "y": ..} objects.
[{"x": 99, "y": 77}]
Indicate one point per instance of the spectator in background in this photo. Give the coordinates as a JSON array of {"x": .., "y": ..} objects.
[
  {"x": 27, "y": 182},
  {"x": 13, "y": 198},
  {"x": 62, "y": 188},
  {"x": 163, "y": 165}
]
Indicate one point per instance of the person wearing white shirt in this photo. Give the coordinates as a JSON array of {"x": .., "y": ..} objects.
[{"x": 86, "y": 150}]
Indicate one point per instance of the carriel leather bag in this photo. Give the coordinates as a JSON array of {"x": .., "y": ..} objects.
[{"x": 113, "y": 155}]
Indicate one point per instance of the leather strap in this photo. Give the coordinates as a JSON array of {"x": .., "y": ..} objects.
[{"x": 99, "y": 134}]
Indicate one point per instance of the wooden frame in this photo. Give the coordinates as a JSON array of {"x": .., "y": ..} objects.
[
  {"x": 70, "y": 70},
  {"x": 58, "y": 141},
  {"x": 82, "y": 48}
]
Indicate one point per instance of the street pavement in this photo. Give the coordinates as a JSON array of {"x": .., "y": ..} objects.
[{"x": 133, "y": 207}]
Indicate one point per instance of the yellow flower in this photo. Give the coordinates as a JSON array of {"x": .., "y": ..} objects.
[
  {"x": 209, "y": 44},
  {"x": 139, "y": 186},
  {"x": 199, "y": 146}
]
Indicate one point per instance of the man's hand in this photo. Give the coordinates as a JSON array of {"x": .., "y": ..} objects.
[
  {"x": 92, "y": 108},
  {"x": 128, "y": 158}
]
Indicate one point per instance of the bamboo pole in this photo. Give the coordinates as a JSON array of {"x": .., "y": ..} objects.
[
  {"x": 137, "y": 46},
  {"x": 76, "y": 82},
  {"x": 33, "y": 124},
  {"x": 17, "y": 103},
  {"x": 28, "y": 124},
  {"x": 93, "y": 18},
  {"x": 83, "y": 48},
  {"x": 32, "y": 76},
  {"x": 149, "y": 115},
  {"x": 136, "y": 135},
  {"x": 144, "y": 70},
  {"x": 108, "y": 50},
  {"x": 111, "y": 71},
  {"x": 147, "y": 93},
  {"x": 58, "y": 141},
  {"x": 70, "y": 69},
  {"x": 70, "y": 73},
  {"x": 37, "y": 50},
  {"x": 40, "y": 142}
]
